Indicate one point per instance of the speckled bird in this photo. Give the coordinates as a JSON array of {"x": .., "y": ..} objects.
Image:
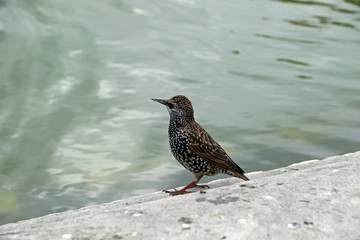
[{"x": 193, "y": 146}]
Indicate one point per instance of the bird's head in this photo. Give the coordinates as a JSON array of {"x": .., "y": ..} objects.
[{"x": 179, "y": 107}]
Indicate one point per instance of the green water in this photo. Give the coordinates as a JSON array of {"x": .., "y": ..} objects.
[{"x": 274, "y": 82}]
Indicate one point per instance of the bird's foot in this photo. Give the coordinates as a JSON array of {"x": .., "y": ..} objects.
[
  {"x": 177, "y": 192},
  {"x": 200, "y": 186}
]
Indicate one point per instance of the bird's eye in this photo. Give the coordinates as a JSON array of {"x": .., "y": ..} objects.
[{"x": 171, "y": 105}]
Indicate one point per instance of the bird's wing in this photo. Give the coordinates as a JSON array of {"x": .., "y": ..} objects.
[{"x": 202, "y": 144}]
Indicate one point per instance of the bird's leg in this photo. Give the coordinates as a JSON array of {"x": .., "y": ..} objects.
[
  {"x": 183, "y": 190},
  {"x": 197, "y": 178},
  {"x": 190, "y": 185}
]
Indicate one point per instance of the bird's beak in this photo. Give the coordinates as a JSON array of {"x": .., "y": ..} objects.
[{"x": 162, "y": 101}]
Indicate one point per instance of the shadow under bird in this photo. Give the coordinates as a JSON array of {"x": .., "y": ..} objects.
[{"x": 193, "y": 146}]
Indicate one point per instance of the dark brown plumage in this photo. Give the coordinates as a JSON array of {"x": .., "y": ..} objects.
[{"x": 193, "y": 147}]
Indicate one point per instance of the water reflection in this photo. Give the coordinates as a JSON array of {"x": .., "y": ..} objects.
[
  {"x": 333, "y": 7},
  {"x": 292, "y": 40},
  {"x": 292, "y": 62},
  {"x": 322, "y": 20}
]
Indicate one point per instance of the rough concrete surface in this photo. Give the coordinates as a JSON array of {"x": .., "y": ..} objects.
[{"x": 317, "y": 199}]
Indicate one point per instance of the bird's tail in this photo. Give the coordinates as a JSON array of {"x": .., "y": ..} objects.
[
  {"x": 236, "y": 171},
  {"x": 242, "y": 176}
]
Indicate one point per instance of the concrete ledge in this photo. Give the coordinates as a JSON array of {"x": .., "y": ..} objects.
[{"x": 309, "y": 200}]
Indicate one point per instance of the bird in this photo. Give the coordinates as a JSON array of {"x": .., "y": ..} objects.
[{"x": 193, "y": 147}]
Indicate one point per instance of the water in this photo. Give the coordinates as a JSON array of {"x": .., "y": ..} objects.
[{"x": 275, "y": 82}]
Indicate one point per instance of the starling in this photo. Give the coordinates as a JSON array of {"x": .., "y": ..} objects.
[{"x": 192, "y": 145}]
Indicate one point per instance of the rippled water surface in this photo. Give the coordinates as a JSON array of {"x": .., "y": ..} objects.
[{"x": 275, "y": 82}]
